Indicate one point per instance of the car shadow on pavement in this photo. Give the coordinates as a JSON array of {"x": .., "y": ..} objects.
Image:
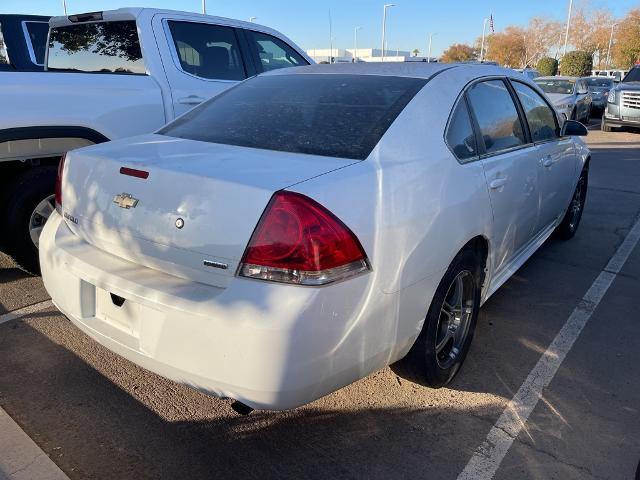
[{"x": 128, "y": 423}]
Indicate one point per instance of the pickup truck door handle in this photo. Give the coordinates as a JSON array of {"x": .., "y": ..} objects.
[
  {"x": 547, "y": 161},
  {"x": 191, "y": 100},
  {"x": 496, "y": 183}
]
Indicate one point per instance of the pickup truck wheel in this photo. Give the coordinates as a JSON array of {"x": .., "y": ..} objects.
[
  {"x": 444, "y": 341},
  {"x": 29, "y": 203},
  {"x": 569, "y": 225},
  {"x": 604, "y": 126}
]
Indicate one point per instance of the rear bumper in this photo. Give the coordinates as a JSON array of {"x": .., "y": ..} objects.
[{"x": 268, "y": 345}]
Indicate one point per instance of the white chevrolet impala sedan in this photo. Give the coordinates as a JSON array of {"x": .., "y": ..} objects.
[{"x": 310, "y": 226}]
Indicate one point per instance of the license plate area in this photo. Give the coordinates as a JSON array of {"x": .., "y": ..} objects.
[{"x": 118, "y": 312}]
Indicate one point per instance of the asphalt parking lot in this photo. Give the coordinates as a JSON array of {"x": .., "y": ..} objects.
[{"x": 100, "y": 417}]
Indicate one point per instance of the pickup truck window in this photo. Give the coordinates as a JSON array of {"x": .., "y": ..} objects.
[
  {"x": 36, "y": 35},
  {"x": 106, "y": 47},
  {"x": 274, "y": 53},
  {"x": 207, "y": 51},
  {"x": 4, "y": 57},
  {"x": 335, "y": 115}
]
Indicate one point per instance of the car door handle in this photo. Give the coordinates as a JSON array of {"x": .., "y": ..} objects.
[
  {"x": 191, "y": 100},
  {"x": 497, "y": 183},
  {"x": 547, "y": 162}
]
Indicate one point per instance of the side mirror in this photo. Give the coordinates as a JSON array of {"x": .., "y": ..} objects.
[{"x": 572, "y": 128}]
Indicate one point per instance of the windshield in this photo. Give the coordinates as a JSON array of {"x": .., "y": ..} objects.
[
  {"x": 319, "y": 114},
  {"x": 4, "y": 57},
  {"x": 599, "y": 83},
  {"x": 633, "y": 75},
  {"x": 556, "y": 86}
]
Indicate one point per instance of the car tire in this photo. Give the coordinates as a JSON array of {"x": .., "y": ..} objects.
[
  {"x": 571, "y": 220},
  {"x": 28, "y": 191},
  {"x": 430, "y": 362},
  {"x": 604, "y": 126}
]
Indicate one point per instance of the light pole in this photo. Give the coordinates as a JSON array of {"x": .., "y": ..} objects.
[
  {"x": 610, "y": 42},
  {"x": 355, "y": 44},
  {"x": 330, "y": 39},
  {"x": 252, "y": 19},
  {"x": 566, "y": 32},
  {"x": 384, "y": 24},
  {"x": 430, "y": 40},
  {"x": 64, "y": 6},
  {"x": 204, "y": 7},
  {"x": 484, "y": 31}
]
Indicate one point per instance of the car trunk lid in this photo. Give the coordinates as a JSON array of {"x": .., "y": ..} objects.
[{"x": 192, "y": 209}]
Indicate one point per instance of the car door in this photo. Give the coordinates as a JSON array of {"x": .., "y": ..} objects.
[
  {"x": 510, "y": 165},
  {"x": 200, "y": 59},
  {"x": 555, "y": 154}
]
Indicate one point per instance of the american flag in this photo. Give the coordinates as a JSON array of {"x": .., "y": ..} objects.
[{"x": 491, "y": 24}]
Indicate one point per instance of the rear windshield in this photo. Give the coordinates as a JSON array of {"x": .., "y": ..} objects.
[
  {"x": 633, "y": 75},
  {"x": 319, "y": 114},
  {"x": 556, "y": 86},
  {"x": 599, "y": 82},
  {"x": 37, "y": 38},
  {"x": 108, "y": 47}
]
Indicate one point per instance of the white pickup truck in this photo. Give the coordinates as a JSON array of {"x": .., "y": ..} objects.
[{"x": 109, "y": 75}]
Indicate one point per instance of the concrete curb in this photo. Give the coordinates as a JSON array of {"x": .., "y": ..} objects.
[{"x": 21, "y": 458}]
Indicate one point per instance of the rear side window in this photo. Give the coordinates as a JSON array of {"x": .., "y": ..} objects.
[
  {"x": 460, "y": 136},
  {"x": 542, "y": 121},
  {"x": 496, "y": 115},
  {"x": 36, "y": 33},
  {"x": 4, "y": 57},
  {"x": 107, "y": 47},
  {"x": 207, "y": 51},
  {"x": 273, "y": 53},
  {"x": 332, "y": 115}
]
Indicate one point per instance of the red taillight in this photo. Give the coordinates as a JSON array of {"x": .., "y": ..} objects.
[
  {"x": 59, "y": 184},
  {"x": 297, "y": 240}
]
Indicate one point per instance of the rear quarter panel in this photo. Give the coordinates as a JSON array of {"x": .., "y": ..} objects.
[{"x": 412, "y": 206}]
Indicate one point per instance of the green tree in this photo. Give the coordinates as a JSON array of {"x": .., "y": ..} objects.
[
  {"x": 547, "y": 66},
  {"x": 415, "y": 52},
  {"x": 576, "y": 64}
]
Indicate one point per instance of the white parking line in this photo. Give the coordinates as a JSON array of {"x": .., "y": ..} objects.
[
  {"x": 487, "y": 458},
  {"x": 36, "y": 307}
]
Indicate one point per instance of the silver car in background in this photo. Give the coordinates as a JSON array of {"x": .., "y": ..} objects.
[
  {"x": 569, "y": 95},
  {"x": 600, "y": 88}
]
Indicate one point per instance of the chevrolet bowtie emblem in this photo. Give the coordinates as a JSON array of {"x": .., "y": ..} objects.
[{"x": 125, "y": 200}]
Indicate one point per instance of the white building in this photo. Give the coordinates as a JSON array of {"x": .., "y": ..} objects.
[{"x": 347, "y": 55}]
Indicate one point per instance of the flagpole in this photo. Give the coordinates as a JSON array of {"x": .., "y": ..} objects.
[{"x": 484, "y": 31}]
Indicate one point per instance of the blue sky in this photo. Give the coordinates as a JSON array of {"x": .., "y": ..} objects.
[{"x": 307, "y": 21}]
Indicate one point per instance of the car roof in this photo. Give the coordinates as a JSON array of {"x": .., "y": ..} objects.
[
  {"x": 396, "y": 69},
  {"x": 559, "y": 77},
  {"x": 132, "y": 13},
  {"x": 26, "y": 18}
]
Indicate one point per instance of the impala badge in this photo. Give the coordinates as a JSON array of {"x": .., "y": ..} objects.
[{"x": 125, "y": 200}]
